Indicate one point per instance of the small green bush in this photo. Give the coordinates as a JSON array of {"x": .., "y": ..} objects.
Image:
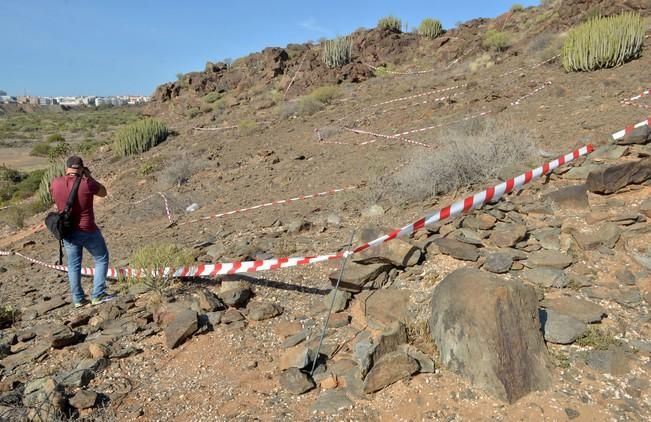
[
  {"x": 153, "y": 258},
  {"x": 60, "y": 150},
  {"x": 603, "y": 43},
  {"x": 517, "y": 7},
  {"x": 9, "y": 175},
  {"x": 29, "y": 185},
  {"x": 56, "y": 169},
  {"x": 325, "y": 94},
  {"x": 55, "y": 137},
  {"x": 597, "y": 339},
  {"x": 390, "y": 22},
  {"x": 497, "y": 40},
  {"x": 337, "y": 52},
  {"x": 8, "y": 315},
  {"x": 140, "y": 136},
  {"x": 211, "y": 97},
  {"x": 40, "y": 149},
  {"x": 430, "y": 28}
]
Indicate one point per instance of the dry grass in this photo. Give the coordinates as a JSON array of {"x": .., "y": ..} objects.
[{"x": 470, "y": 155}]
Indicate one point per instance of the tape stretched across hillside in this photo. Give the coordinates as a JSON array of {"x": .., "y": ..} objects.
[
  {"x": 269, "y": 204},
  {"x": 632, "y": 101},
  {"x": 628, "y": 129},
  {"x": 457, "y": 208}
]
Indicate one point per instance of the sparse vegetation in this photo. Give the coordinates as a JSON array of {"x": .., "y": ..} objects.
[
  {"x": 597, "y": 339},
  {"x": 40, "y": 149},
  {"x": 176, "y": 174},
  {"x": 497, "y": 40},
  {"x": 485, "y": 61},
  {"x": 337, "y": 52},
  {"x": 55, "y": 137},
  {"x": 546, "y": 45},
  {"x": 390, "y": 22},
  {"x": 7, "y": 317},
  {"x": 471, "y": 155},
  {"x": 211, "y": 97},
  {"x": 603, "y": 43},
  {"x": 247, "y": 127},
  {"x": 140, "y": 136},
  {"x": 325, "y": 94},
  {"x": 430, "y": 28},
  {"x": 517, "y": 7},
  {"x": 153, "y": 259}
]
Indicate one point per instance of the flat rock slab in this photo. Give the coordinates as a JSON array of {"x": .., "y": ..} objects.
[
  {"x": 605, "y": 235},
  {"x": 184, "y": 325},
  {"x": 26, "y": 356},
  {"x": 639, "y": 135},
  {"x": 391, "y": 368},
  {"x": 61, "y": 336},
  {"x": 47, "y": 306},
  {"x": 508, "y": 235},
  {"x": 479, "y": 221},
  {"x": 84, "y": 399},
  {"x": 457, "y": 249},
  {"x": 547, "y": 277},
  {"x": 487, "y": 329},
  {"x": 498, "y": 262},
  {"x": 260, "y": 311},
  {"x": 549, "y": 258},
  {"x": 332, "y": 401},
  {"x": 386, "y": 306},
  {"x": 397, "y": 252},
  {"x": 570, "y": 197},
  {"x": 614, "y": 178},
  {"x": 560, "y": 328},
  {"x": 295, "y": 381},
  {"x": 581, "y": 309},
  {"x": 340, "y": 298},
  {"x": 356, "y": 275}
]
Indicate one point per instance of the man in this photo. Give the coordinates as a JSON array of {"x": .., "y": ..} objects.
[{"x": 86, "y": 233}]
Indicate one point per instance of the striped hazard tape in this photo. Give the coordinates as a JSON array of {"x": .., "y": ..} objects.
[
  {"x": 628, "y": 129},
  {"x": 457, "y": 208},
  {"x": 379, "y": 135},
  {"x": 632, "y": 101},
  {"x": 270, "y": 204}
]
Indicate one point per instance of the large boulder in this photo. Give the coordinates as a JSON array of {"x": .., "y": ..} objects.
[
  {"x": 611, "y": 179},
  {"x": 487, "y": 330}
]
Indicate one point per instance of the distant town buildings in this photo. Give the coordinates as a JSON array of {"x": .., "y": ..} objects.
[{"x": 89, "y": 101}]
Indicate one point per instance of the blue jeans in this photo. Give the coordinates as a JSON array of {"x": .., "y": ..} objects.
[{"x": 94, "y": 243}]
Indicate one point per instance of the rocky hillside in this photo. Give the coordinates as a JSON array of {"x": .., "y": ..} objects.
[{"x": 534, "y": 307}]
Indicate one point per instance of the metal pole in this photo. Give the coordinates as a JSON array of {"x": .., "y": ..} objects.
[{"x": 332, "y": 304}]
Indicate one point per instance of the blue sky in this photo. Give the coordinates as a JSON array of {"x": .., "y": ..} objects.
[{"x": 120, "y": 47}]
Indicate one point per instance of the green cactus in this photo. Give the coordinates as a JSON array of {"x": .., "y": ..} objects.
[
  {"x": 55, "y": 169},
  {"x": 140, "y": 136},
  {"x": 603, "y": 42},
  {"x": 390, "y": 22},
  {"x": 337, "y": 52},
  {"x": 430, "y": 28}
]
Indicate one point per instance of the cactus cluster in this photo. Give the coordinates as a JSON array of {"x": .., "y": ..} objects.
[
  {"x": 430, "y": 28},
  {"x": 390, "y": 22},
  {"x": 337, "y": 52},
  {"x": 603, "y": 42},
  {"x": 56, "y": 169},
  {"x": 139, "y": 136}
]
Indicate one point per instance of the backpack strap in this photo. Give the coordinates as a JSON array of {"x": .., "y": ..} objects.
[
  {"x": 72, "y": 197},
  {"x": 60, "y": 252}
]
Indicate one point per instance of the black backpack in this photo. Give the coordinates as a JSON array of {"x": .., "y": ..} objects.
[{"x": 61, "y": 224}]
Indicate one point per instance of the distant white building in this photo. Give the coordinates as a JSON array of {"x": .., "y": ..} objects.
[{"x": 7, "y": 99}]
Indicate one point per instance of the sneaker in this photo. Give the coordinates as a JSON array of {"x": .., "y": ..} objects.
[
  {"x": 105, "y": 297},
  {"x": 81, "y": 304}
]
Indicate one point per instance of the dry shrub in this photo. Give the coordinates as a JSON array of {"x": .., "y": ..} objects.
[
  {"x": 482, "y": 62},
  {"x": 470, "y": 155},
  {"x": 546, "y": 45}
]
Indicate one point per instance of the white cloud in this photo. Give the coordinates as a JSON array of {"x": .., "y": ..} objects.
[{"x": 311, "y": 24}]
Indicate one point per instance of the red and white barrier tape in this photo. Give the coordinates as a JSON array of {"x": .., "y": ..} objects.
[
  {"x": 423, "y": 94},
  {"x": 379, "y": 135},
  {"x": 270, "y": 204},
  {"x": 537, "y": 65},
  {"x": 457, "y": 208},
  {"x": 425, "y": 129},
  {"x": 534, "y": 92},
  {"x": 295, "y": 75},
  {"x": 391, "y": 72},
  {"x": 477, "y": 200},
  {"x": 214, "y": 128},
  {"x": 628, "y": 129},
  {"x": 631, "y": 101}
]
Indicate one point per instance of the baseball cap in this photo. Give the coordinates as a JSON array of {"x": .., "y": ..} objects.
[{"x": 75, "y": 162}]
